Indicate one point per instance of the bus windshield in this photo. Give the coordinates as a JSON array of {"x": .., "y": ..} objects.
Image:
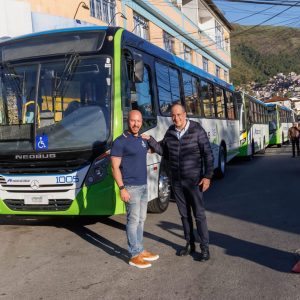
[{"x": 66, "y": 103}]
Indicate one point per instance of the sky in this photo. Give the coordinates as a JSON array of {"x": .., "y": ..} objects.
[{"x": 254, "y": 14}]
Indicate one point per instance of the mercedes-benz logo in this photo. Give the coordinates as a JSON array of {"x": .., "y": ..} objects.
[{"x": 34, "y": 184}]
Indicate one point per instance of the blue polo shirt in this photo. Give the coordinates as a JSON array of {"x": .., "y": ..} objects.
[{"x": 133, "y": 150}]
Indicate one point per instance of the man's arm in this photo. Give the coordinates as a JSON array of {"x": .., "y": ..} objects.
[
  {"x": 157, "y": 147},
  {"x": 116, "y": 172},
  {"x": 208, "y": 159}
]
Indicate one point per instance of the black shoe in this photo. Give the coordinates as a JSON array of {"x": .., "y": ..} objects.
[
  {"x": 188, "y": 249},
  {"x": 204, "y": 253}
]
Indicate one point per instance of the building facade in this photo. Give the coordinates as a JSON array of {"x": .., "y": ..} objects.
[{"x": 194, "y": 30}]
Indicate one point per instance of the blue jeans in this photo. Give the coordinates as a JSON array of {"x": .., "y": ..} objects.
[{"x": 136, "y": 215}]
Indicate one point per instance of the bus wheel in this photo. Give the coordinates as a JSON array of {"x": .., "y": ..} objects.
[
  {"x": 161, "y": 203},
  {"x": 220, "y": 171}
]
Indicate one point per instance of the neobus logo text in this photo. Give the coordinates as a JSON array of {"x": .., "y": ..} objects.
[{"x": 36, "y": 156}]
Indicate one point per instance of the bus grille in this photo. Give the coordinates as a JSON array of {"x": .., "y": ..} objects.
[{"x": 54, "y": 205}]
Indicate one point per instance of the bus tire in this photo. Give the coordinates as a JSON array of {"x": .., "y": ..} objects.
[
  {"x": 220, "y": 170},
  {"x": 161, "y": 203}
]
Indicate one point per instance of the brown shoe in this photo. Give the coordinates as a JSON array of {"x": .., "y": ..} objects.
[
  {"x": 138, "y": 261},
  {"x": 148, "y": 256}
]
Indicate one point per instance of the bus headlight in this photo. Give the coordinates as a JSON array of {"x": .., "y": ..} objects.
[{"x": 98, "y": 170}]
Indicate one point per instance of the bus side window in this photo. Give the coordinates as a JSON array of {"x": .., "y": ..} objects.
[
  {"x": 220, "y": 101},
  {"x": 137, "y": 95},
  {"x": 144, "y": 99},
  {"x": 191, "y": 96},
  {"x": 168, "y": 87},
  {"x": 207, "y": 98},
  {"x": 231, "y": 106}
]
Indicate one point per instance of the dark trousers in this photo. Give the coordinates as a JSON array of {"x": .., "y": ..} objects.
[
  {"x": 189, "y": 198},
  {"x": 295, "y": 143}
]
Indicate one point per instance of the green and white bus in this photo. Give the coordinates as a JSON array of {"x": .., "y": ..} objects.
[
  {"x": 281, "y": 119},
  {"x": 254, "y": 125},
  {"x": 65, "y": 96}
]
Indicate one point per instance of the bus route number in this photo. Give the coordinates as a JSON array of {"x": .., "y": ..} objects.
[{"x": 67, "y": 179}]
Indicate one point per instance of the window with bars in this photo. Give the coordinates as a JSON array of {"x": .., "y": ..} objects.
[
  {"x": 226, "y": 77},
  {"x": 169, "y": 42},
  {"x": 205, "y": 64},
  {"x": 187, "y": 53},
  {"x": 227, "y": 44},
  {"x": 218, "y": 71},
  {"x": 141, "y": 26},
  {"x": 219, "y": 32},
  {"x": 104, "y": 10}
]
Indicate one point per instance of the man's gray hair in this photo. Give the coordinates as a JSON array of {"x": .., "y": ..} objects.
[{"x": 178, "y": 104}]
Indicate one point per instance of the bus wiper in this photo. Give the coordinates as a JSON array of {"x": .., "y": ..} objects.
[{"x": 66, "y": 75}]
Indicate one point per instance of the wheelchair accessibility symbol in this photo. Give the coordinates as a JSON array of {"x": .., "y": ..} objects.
[{"x": 41, "y": 142}]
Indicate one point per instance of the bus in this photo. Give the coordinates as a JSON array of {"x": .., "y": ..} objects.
[
  {"x": 65, "y": 96},
  {"x": 254, "y": 125},
  {"x": 281, "y": 119}
]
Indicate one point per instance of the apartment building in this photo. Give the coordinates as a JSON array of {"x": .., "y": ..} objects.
[{"x": 194, "y": 30}]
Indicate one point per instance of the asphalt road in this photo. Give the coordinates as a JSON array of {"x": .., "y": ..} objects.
[{"x": 254, "y": 221}]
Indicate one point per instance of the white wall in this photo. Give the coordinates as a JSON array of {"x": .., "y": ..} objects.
[
  {"x": 15, "y": 18},
  {"x": 44, "y": 22}
]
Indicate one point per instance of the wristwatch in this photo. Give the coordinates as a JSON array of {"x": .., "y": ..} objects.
[{"x": 122, "y": 187}]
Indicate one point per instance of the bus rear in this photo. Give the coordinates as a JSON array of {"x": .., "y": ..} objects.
[{"x": 56, "y": 123}]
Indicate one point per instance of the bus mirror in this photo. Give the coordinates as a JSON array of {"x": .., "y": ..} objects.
[{"x": 138, "y": 71}]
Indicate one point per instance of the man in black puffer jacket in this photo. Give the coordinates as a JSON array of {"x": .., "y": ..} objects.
[{"x": 188, "y": 152}]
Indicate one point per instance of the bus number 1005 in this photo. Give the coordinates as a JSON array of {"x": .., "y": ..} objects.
[{"x": 67, "y": 179}]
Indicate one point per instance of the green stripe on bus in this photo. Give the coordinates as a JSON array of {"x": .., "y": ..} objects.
[{"x": 118, "y": 116}]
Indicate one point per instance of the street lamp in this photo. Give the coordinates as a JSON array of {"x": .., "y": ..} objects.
[
  {"x": 114, "y": 16},
  {"x": 83, "y": 5}
]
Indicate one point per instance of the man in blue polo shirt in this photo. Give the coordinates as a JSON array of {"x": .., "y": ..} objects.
[{"x": 129, "y": 168}]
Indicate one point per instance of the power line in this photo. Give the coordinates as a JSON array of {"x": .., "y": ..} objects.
[{"x": 281, "y": 3}]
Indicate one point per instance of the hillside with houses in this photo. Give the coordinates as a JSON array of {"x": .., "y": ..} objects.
[{"x": 281, "y": 88}]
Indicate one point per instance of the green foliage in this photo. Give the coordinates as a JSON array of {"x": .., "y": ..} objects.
[{"x": 261, "y": 52}]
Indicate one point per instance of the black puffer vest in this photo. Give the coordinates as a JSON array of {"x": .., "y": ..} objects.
[{"x": 188, "y": 157}]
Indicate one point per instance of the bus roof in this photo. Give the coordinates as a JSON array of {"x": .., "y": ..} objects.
[
  {"x": 53, "y": 31},
  {"x": 253, "y": 98},
  {"x": 275, "y": 105},
  {"x": 134, "y": 41},
  {"x": 169, "y": 57}
]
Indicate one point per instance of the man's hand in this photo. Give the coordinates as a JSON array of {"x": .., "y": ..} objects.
[
  {"x": 205, "y": 183},
  {"x": 125, "y": 196},
  {"x": 145, "y": 136}
]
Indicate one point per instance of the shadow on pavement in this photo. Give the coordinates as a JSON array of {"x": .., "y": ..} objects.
[
  {"x": 77, "y": 226},
  {"x": 118, "y": 225},
  {"x": 272, "y": 258},
  {"x": 275, "y": 259},
  {"x": 100, "y": 242}
]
